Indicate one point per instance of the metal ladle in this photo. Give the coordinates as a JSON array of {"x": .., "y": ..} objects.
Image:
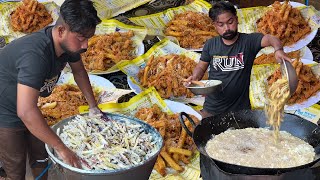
[{"x": 289, "y": 72}]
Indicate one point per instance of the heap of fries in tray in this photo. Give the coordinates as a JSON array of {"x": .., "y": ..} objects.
[
  {"x": 30, "y": 17},
  {"x": 192, "y": 29},
  {"x": 62, "y": 103},
  {"x": 270, "y": 58},
  {"x": 284, "y": 22},
  {"x": 178, "y": 146},
  {"x": 308, "y": 83},
  {"x": 104, "y": 51},
  {"x": 166, "y": 73}
]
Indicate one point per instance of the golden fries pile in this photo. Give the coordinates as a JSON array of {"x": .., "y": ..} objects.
[
  {"x": 270, "y": 59},
  {"x": 104, "y": 51},
  {"x": 308, "y": 83},
  {"x": 62, "y": 103},
  {"x": 29, "y": 17},
  {"x": 192, "y": 29},
  {"x": 166, "y": 74},
  {"x": 178, "y": 146},
  {"x": 284, "y": 22}
]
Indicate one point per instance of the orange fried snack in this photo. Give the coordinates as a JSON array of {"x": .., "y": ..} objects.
[
  {"x": 178, "y": 147},
  {"x": 192, "y": 29},
  {"x": 284, "y": 22},
  {"x": 104, "y": 51},
  {"x": 62, "y": 103},
  {"x": 270, "y": 59},
  {"x": 30, "y": 17},
  {"x": 308, "y": 83},
  {"x": 166, "y": 74}
]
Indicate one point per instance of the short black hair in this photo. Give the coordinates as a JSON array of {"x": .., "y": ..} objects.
[
  {"x": 221, "y": 7},
  {"x": 79, "y": 15}
]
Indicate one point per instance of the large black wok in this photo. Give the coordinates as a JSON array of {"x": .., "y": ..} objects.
[{"x": 217, "y": 124}]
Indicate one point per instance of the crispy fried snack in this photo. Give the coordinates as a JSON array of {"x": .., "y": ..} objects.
[
  {"x": 104, "y": 51},
  {"x": 308, "y": 83},
  {"x": 270, "y": 59},
  {"x": 29, "y": 17},
  {"x": 166, "y": 74},
  {"x": 177, "y": 145},
  {"x": 62, "y": 103},
  {"x": 192, "y": 29},
  {"x": 284, "y": 22}
]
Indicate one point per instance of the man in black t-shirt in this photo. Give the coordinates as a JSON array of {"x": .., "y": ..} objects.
[
  {"x": 30, "y": 67},
  {"x": 230, "y": 57}
]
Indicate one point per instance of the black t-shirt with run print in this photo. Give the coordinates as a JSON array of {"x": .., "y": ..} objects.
[
  {"x": 232, "y": 65},
  {"x": 31, "y": 61}
]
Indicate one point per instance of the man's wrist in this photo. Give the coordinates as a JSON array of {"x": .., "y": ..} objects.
[{"x": 278, "y": 49}]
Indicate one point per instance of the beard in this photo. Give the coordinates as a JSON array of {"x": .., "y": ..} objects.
[
  {"x": 66, "y": 49},
  {"x": 229, "y": 35}
]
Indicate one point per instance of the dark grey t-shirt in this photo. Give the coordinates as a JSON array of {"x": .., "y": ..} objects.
[
  {"x": 232, "y": 65},
  {"x": 31, "y": 61}
]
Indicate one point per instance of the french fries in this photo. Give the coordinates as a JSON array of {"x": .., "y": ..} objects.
[
  {"x": 284, "y": 22},
  {"x": 192, "y": 29},
  {"x": 166, "y": 73},
  {"x": 104, "y": 51},
  {"x": 180, "y": 151},
  {"x": 63, "y": 103},
  {"x": 171, "y": 162},
  {"x": 30, "y": 17},
  {"x": 178, "y": 147},
  {"x": 270, "y": 58}
]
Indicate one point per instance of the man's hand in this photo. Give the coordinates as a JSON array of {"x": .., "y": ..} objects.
[
  {"x": 280, "y": 54},
  {"x": 69, "y": 157},
  {"x": 188, "y": 81},
  {"x": 95, "y": 111}
]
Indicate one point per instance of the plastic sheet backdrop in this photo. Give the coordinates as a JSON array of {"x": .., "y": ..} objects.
[
  {"x": 157, "y": 22},
  {"x": 144, "y": 100},
  {"x": 164, "y": 47},
  {"x": 112, "y": 8},
  {"x": 258, "y": 82},
  {"x": 6, "y": 8},
  {"x": 111, "y": 26},
  {"x": 249, "y": 16}
]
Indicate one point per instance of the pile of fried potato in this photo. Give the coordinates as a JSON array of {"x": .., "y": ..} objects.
[
  {"x": 284, "y": 22},
  {"x": 166, "y": 73},
  {"x": 178, "y": 146},
  {"x": 104, "y": 51},
  {"x": 30, "y": 17},
  {"x": 270, "y": 58},
  {"x": 308, "y": 83},
  {"x": 192, "y": 29},
  {"x": 62, "y": 103}
]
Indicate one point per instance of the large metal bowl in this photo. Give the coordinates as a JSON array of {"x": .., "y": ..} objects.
[
  {"x": 210, "y": 86},
  {"x": 142, "y": 171}
]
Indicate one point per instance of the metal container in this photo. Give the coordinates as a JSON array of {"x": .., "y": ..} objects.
[
  {"x": 210, "y": 86},
  {"x": 142, "y": 171}
]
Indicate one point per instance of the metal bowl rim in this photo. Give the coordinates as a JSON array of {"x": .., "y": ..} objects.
[{"x": 102, "y": 172}]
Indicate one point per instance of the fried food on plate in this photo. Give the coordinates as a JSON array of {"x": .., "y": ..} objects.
[
  {"x": 166, "y": 74},
  {"x": 284, "y": 22},
  {"x": 270, "y": 59},
  {"x": 30, "y": 17},
  {"x": 192, "y": 29},
  {"x": 62, "y": 103},
  {"x": 104, "y": 51},
  {"x": 178, "y": 146},
  {"x": 308, "y": 83}
]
